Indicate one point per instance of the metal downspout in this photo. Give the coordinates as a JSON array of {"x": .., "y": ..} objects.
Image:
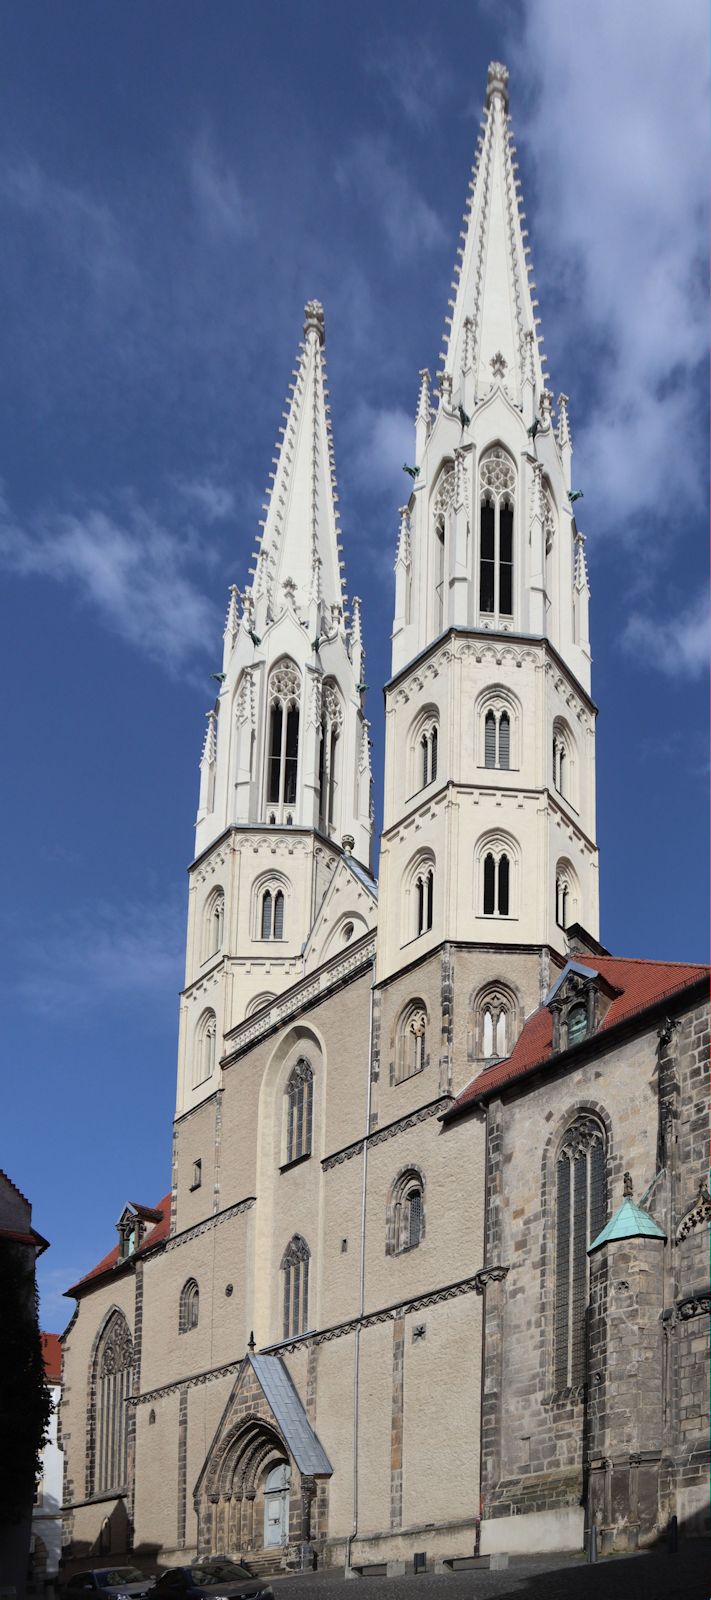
[{"x": 361, "y": 1298}]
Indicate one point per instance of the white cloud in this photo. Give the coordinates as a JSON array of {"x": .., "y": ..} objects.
[
  {"x": 378, "y": 441},
  {"x": 215, "y": 500},
  {"x": 217, "y": 192},
  {"x": 125, "y": 563},
  {"x": 408, "y": 221},
  {"x": 84, "y": 229},
  {"x": 678, "y": 646},
  {"x": 100, "y": 953},
  {"x": 414, "y": 76},
  {"x": 618, "y": 134}
]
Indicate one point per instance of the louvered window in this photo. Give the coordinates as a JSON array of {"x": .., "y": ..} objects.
[
  {"x": 490, "y": 740},
  {"x": 504, "y": 740},
  {"x": 278, "y": 915},
  {"x": 580, "y": 1214},
  {"x": 266, "y": 915},
  {"x": 433, "y": 755}
]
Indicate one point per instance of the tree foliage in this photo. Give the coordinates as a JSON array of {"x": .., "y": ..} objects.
[{"x": 25, "y": 1401}]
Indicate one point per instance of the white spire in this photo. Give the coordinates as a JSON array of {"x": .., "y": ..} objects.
[
  {"x": 299, "y": 545},
  {"x": 492, "y": 311}
]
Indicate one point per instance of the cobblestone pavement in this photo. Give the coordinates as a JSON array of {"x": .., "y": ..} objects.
[{"x": 655, "y": 1575}]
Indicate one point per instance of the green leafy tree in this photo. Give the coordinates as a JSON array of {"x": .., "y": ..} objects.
[{"x": 25, "y": 1402}]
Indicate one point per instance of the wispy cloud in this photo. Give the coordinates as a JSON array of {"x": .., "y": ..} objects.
[
  {"x": 215, "y": 500},
  {"x": 381, "y": 186},
  {"x": 84, "y": 229},
  {"x": 378, "y": 441},
  {"x": 217, "y": 192},
  {"x": 414, "y": 77},
  {"x": 621, "y": 161},
  {"x": 121, "y": 559},
  {"x": 98, "y": 954},
  {"x": 678, "y": 646}
]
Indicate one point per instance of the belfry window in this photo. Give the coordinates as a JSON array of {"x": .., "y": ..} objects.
[
  {"x": 272, "y": 917},
  {"x": 496, "y": 533},
  {"x": 497, "y": 874},
  {"x": 214, "y": 924},
  {"x": 331, "y": 724},
  {"x": 428, "y": 755},
  {"x": 205, "y": 1048},
  {"x": 411, "y": 1042},
  {"x": 580, "y": 1214},
  {"x": 424, "y": 900},
  {"x": 497, "y": 740},
  {"x": 299, "y": 1111},
  {"x": 283, "y": 753},
  {"x": 295, "y": 1269}
]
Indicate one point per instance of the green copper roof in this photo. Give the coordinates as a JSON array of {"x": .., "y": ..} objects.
[{"x": 628, "y": 1222}]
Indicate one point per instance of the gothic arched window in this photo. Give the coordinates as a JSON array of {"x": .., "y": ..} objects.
[
  {"x": 295, "y": 1268},
  {"x": 283, "y": 754},
  {"x": 114, "y": 1377},
  {"x": 441, "y": 503},
  {"x": 424, "y": 897},
  {"x": 189, "y": 1306},
  {"x": 331, "y": 725},
  {"x": 405, "y": 1227},
  {"x": 496, "y": 529},
  {"x": 495, "y": 1011},
  {"x": 411, "y": 1042},
  {"x": 423, "y": 750},
  {"x": 496, "y": 884},
  {"x": 299, "y": 1111},
  {"x": 271, "y": 921},
  {"x": 563, "y": 760},
  {"x": 566, "y": 895},
  {"x": 205, "y": 1048},
  {"x": 428, "y": 755},
  {"x": 214, "y": 926},
  {"x": 580, "y": 1214}
]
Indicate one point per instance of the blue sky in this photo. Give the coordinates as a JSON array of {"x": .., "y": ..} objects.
[{"x": 175, "y": 182}]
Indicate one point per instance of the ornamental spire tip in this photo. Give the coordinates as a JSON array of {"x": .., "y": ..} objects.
[
  {"x": 497, "y": 82},
  {"x": 314, "y": 320}
]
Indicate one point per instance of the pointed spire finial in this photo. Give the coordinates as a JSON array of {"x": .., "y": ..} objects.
[
  {"x": 314, "y": 321},
  {"x": 563, "y": 421},
  {"x": 231, "y": 620},
  {"x": 403, "y": 543},
  {"x": 356, "y": 621},
  {"x": 209, "y": 749},
  {"x": 423, "y": 399},
  {"x": 497, "y": 83}
]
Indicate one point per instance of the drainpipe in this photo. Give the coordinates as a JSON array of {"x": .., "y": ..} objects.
[{"x": 361, "y": 1301}]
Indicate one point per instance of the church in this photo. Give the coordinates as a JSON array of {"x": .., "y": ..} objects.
[{"x": 431, "y": 1275}]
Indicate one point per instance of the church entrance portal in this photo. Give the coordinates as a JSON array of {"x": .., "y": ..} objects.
[{"x": 276, "y": 1506}]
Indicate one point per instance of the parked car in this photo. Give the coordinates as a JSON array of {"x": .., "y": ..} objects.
[
  {"x": 215, "y": 1579},
  {"x": 109, "y": 1583}
]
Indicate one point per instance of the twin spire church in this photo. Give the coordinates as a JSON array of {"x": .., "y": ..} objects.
[{"x": 427, "y": 1277}]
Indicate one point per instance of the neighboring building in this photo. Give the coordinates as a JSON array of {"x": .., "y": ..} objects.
[
  {"x": 355, "y": 1329},
  {"x": 22, "y": 1397},
  {"x": 46, "y": 1545}
]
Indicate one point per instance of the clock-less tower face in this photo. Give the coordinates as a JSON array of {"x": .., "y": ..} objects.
[{"x": 494, "y": 842}]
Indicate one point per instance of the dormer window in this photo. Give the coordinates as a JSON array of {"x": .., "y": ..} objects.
[
  {"x": 578, "y": 1002},
  {"x": 130, "y": 1231}
]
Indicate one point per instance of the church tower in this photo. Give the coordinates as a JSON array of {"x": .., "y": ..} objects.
[
  {"x": 489, "y": 811},
  {"x": 285, "y": 776}
]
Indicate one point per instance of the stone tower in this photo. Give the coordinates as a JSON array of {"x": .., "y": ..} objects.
[
  {"x": 489, "y": 810},
  {"x": 285, "y": 775}
]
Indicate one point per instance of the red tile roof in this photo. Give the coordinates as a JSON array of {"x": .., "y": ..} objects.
[
  {"x": 52, "y": 1357},
  {"x": 640, "y": 984},
  {"x": 156, "y": 1235}
]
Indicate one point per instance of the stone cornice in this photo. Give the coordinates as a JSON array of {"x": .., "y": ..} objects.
[
  {"x": 379, "y": 1135},
  {"x": 486, "y": 636},
  {"x": 207, "y": 1224}
]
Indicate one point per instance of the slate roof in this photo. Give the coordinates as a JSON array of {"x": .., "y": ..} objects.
[
  {"x": 111, "y": 1261},
  {"x": 281, "y": 1395},
  {"x": 640, "y": 984},
  {"x": 52, "y": 1357},
  {"x": 628, "y": 1222}
]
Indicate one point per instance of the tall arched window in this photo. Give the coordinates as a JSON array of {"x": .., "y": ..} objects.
[
  {"x": 496, "y": 884},
  {"x": 295, "y": 1268},
  {"x": 331, "y": 725},
  {"x": 428, "y": 755},
  {"x": 189, "y": 1306},
  {"x": 580, "y": 1214},
  {"x": 495, "y": 1011},
  {"x": 497, "y": 739},
  {"x": 205, "y": 1047},
  {"x": 114, "y": 1377},
  {"x": 272, "y": 914},
  {"x": 441, "y": 503},
  {"x": 563, "y": 760},
  {"x": 283, "y": 755},
  {"x": 424, "y": 894},
  {"x": 423, "y": 750},
  {"x": 299, "y": 1110},
  {"x": 213, "y": 931},
  {"x": 566, "y": 895},
  {"x": 405, "y": 1223},
  {"x": 496, "y": 527},
  {"x": 411, "y": 1042}
]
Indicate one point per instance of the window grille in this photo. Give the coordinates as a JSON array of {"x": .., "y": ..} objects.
[{"x": 413, "y": 1206}]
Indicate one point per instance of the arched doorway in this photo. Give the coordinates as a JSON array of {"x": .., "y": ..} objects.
[{"x": 276, "y": 1505}]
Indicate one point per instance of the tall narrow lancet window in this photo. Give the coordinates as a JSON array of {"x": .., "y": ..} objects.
[
  {"x": 424, "y": 899},
  {"x": 283, "y": 752},
  {"x": 439, "y": 574},
  {"x": 113, "y": 1379},
  {"x": 441, "y": 503},
  {"x": 299, "y": 1111},
  {"x": 405, "y": 1223},
  {"x": 504, "y": 740},
  {"x": 428, "y": 754},
  {"x": 496, "y": 884},
  {"x": 205, "y": 1048},
  {"x": 496, "y": 536},
  {"x": 214, "y": 924},
  {"x": 580, "y": 1214},
  {"x": 490, "y": 739},
  {"x": 271, "y": 920},
  {"x": 295, "y": 1271},
  {"x": 329, "y": 744}
]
